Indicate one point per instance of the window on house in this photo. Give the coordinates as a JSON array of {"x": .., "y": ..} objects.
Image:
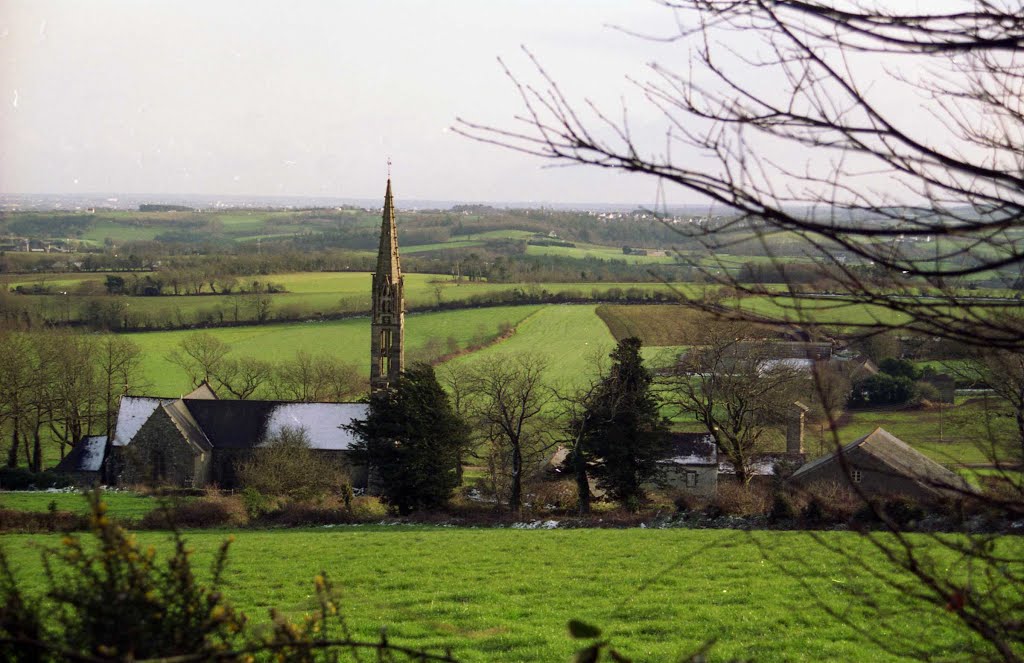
[
  {"x": 691, "y": 479},
  {"x": 856, "y": 476}
]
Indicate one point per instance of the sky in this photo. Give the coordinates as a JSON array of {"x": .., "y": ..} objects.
[{"x": 247, "y": 97}]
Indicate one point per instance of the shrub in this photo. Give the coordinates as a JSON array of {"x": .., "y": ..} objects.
[
  {"x": 783, "y": 507},
  {"x": 554, "y": 495},
  {"x": 18, "y": 478},
  {"x": 287, "y": 467},
  {"x": 12, "y": 520},
  {"x": 211, "y": 511},
  {"x": 883, "y": 389},
  {"x": 368, "y": 508},
  {"x": 257, "y": 504},
  {"x": 903, "y": 510},
  {"x": 735, "y": 499},
  {"x": 114, "y": 600}
]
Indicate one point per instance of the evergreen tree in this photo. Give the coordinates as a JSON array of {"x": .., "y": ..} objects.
[
  {"x": 625, "y": 436},
  {"x": 411, "y": 439}
]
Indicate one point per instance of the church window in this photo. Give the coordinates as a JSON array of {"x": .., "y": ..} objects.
[{"x": 159, "y": 468}]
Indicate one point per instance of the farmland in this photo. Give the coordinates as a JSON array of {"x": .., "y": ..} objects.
[
  {"x": 569, "y": 338},
  {"x": 348, "y": 340},
  {"x": 505, "y": 595}
]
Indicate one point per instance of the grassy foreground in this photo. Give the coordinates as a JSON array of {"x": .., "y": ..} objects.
[
  {"x": 505, "y": 595},
  {"x": 119, "y": 505}
]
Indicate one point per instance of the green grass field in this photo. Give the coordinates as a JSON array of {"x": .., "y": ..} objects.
[
  {"x": 506, "y": 595},
  {"x": 119, "y": 505},
  {"x": 568, "y": 337},
  {"x": 952, "y": 435},
  {"x": 581, "y": 251},
  {"x": 348, "y": 340}
]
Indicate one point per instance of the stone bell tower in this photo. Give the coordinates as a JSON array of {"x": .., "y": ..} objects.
[{"x": 387, "y": 316}]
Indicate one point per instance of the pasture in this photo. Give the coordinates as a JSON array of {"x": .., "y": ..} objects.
[
  {"x": 119, "y": 505},
  {"x": 569, "y": 338},
  {"x": 506, "y": 595},
  {"x": 349, "y": 340}
]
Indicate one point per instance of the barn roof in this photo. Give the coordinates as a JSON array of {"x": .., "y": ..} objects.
[
  {"x": 904, "y": 460},
  {"x": 86, "y": 456}
]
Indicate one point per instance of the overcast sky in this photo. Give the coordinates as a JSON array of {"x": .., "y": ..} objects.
[{"x": 304, "y": 98}]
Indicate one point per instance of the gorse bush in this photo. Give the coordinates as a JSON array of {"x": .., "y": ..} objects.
[{"x": 115, "y": 601}]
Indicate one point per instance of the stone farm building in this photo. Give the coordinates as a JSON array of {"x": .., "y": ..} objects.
[
  {"x": 197, "y": 440},
  {"x": 882, "y": 464}
]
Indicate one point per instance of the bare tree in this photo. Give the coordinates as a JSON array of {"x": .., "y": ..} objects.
[
  {"x": 1003, "y": 372},
  {"x": 508, "y": 401},
  {"x": 316, "y": 378},
  {"x": 17, "y": 378},
  {"x": 731, "y": 385},
  {"x": 887, "y": 147},
  {"x": 800, "y": 120},
  {"x": 200, "y": 355},
  {"x": 73, "y": 388},
  {"x": 243, "y": 377},
  {"x": 119, "y": 365}
]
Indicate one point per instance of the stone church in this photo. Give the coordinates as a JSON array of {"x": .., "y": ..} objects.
[{"x": 196, "y": 440}]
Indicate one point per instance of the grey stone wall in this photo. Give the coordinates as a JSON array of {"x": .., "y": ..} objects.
[
  {"x": 870, "y": 476},
  {"x": 159, "y": 455},
  {"x": 698, "y": 480}
]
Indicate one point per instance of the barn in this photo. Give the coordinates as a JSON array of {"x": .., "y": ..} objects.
[{"x": 879, "y": 464}]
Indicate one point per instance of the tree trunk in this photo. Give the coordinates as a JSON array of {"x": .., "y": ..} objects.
[
  {"x": 579, "y": 465},
  {"x": 12, "y": 453},
  {"x": 37, "y": 452},
  {"x": 516, "y": 499}
]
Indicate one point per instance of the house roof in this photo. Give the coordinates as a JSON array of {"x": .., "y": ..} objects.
[
  {"x": 132, "y": 413},
  {"x": 185, "y": 423},
  {"x": 893, "y": 452},
  {"x": 692, "y": 449},
  {"x": 242, "y": 424},
  {"x": 86, "y": 456},
  {"x": 203, "y": 391}
]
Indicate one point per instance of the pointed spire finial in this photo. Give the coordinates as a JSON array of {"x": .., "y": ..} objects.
[{"x": 389, "y": 168}]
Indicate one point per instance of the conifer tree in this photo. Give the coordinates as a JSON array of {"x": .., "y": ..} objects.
[
  {"x": 626, "y": 436},
  {"x": 411, "y": 440}
]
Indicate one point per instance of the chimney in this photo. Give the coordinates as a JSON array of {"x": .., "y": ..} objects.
[{"x": 795, "y": 428}]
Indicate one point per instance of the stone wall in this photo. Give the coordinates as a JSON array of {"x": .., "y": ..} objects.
[
  {"x": 160, "y": 455},
  {"x": 699, "y": 480},
  {"x": 871, "y": 476}
]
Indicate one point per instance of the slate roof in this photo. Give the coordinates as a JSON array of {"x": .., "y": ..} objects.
[
  {"x": 132, "y": 413},
  {"x": 896, "y": 454},
  {"x": 86, "y": 456},
  {"x": 184, "y": 422},
  {"x": 242, "y": 424},
  {"x": 692, "y": 449}
]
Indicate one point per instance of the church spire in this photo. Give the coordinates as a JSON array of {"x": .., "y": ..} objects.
[
  {"x": 387, "y": 316},
  {"x": 387, "y": 253}
]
